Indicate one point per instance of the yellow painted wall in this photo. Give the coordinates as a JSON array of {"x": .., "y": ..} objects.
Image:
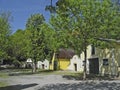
[
  {"x": 52, "y": 62},
  {"x": 51, "y": 66},
  {"x": 63, "y": 64}
]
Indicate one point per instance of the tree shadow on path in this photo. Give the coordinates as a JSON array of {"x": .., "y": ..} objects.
[
  {"x": 18, "y": 87},
  {"x": 87, "y": 85}
]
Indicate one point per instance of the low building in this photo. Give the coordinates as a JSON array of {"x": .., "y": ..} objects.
[
  {"x": 76, "y": 64},
  {"x": 61, "y": 60},
  {"x": 103, "y": 61},
  {"x": 29, "y": 63},
  {"x": 43, "y": 64}
]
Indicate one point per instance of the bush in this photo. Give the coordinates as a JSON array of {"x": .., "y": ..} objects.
[{"x": 17, "y": 63}]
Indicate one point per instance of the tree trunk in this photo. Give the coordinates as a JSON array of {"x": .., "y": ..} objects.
[
  {"x": 85, "y": 60},
  {"x": 34, "y": 67}
]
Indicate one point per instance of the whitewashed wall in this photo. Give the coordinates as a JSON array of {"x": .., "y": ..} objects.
[
  {"x": 79, "y": 63},
  {"x": 43, "y": 65}
]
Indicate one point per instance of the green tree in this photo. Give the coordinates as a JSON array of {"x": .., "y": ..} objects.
[
  {"x": 18, "y": 47},
  {"x": 85, "y": 20},
  {"x": 37, "y": 38},
  {"x": 34, "y": 21},
  {"x": 49, "y": 36},
  {"x": 4, "y": 33},
  {"x": 59, "y": 34}
]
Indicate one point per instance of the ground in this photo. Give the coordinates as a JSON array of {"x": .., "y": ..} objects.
[{"x": 55, "y": 82}]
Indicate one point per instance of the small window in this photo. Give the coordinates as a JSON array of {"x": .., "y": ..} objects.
[
  {"x": 93, "y": 50},
  {"x": 105, "y": 62}
]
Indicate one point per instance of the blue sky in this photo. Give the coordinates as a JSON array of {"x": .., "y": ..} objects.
[{"x": 22, "y": 9}]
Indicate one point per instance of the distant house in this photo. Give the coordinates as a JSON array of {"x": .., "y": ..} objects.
[
  {"x": 43, "y": 64},
  {"x": 29, "y": 60},
  {"x": 29, "y": 63}
]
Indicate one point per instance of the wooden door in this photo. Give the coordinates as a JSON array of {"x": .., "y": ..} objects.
[{"x": 94, "y": 66}]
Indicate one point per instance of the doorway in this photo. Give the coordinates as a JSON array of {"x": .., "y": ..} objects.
[
  {"x": 43, "y": 66},
  {"x": 94, "y": 66},
  {"x": 75, "y": 67}
]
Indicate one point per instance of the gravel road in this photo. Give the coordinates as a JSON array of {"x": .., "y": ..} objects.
[
  {"x": 56, "y": 82},
  {"x": 33, "y": 82}
]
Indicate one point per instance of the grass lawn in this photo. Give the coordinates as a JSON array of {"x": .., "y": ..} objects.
[
  {"x": 3, "y": 84},
  {"x": 3, "y": 76},
  {"x": 65, "y": 74},
  {"x": 40, "y": 72},
  {"x": 59, "y": 72},
  {"x": 17, "y": 72}
]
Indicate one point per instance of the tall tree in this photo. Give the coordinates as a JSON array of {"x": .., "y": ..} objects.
[
  {"x": 4, "y": 33},
  {"x": 84, "y": 21},
  {"x": 34, "y": 24},
  {"x": 19, "y": 46}
]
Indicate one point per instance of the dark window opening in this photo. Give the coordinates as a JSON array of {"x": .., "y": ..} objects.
[
  {"x": 105, "y": 62},
  {"x": 93, "y": 50}
]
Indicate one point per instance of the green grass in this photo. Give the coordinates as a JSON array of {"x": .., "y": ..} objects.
[
  {"x": 75, "y": 75},
  {"x": 17, "y": 72},
  {"x": 47, "y": 72},
  {"x": 3, "y": 84},
  {"x": 21, "y": 70},
  {"x": 3, "y": 75},
  {"x": 43, "y": 72}
]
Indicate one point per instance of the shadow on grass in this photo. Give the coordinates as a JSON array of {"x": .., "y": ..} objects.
[
  {"x": 19, "y": 73},
  {"x": 77, "y": 76},
  {"x": 89, "y": 77},
  {"x": 30, "y": 72},
  {"x": 18, "y": 87},
  {"x": 45, "y": 71},
  {"x": 99, "y": 77}
]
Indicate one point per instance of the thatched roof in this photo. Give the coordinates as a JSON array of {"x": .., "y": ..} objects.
[{"x": 65, "y": 53}]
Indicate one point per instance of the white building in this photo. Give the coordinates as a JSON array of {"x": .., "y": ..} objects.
[
  {"x": 29, "y": 63},
  {"x": 29, "y": 60},
  {"x": 43, "y": 65},
  {"x": 76, "y": 64}
]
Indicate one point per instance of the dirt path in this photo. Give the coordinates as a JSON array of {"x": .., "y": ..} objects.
[
  {"x": 56, "y": 82},
  {"x": 34, "y": 82}
]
